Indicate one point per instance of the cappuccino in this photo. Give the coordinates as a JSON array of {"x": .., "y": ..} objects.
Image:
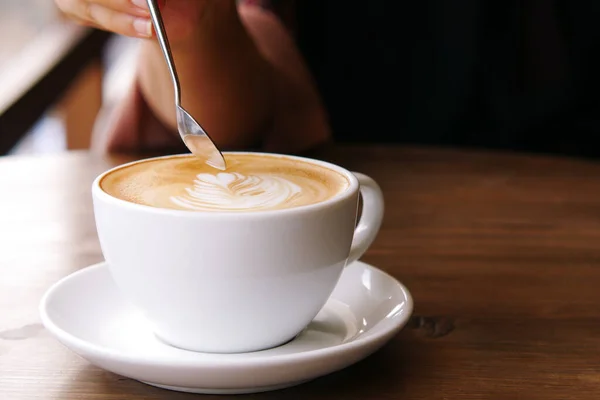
[{"x": 252, "y": 182}]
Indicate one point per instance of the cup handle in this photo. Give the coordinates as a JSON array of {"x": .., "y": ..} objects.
[{"x": 371, "y": 218}]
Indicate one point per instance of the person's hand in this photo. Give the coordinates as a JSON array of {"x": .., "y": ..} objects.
[{"x": 132, "y": 18}]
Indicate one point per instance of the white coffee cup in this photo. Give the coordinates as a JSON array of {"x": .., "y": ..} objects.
[{"x": 235, "y": 282}]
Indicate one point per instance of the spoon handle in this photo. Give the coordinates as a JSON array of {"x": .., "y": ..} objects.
[{"x": 159, "y": 27}]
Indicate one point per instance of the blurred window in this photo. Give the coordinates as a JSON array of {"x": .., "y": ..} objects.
[{"x": 21, "y": 21}]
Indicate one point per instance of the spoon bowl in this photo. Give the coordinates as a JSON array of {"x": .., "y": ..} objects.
[{"x": 198, "y": 141}]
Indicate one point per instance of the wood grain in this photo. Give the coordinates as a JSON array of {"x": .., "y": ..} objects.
[{"x": 500, "y": 251}]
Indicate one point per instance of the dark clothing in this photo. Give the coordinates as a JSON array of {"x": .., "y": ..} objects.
[{"x": 523, "y": 75}]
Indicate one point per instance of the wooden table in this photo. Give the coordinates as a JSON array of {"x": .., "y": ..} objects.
[{"x": 501, "y": 253}]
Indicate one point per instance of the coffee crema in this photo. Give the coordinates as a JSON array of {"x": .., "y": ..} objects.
[{"x": 252, "y": 182}]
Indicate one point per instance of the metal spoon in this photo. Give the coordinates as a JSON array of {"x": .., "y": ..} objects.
[{"x": 195, "y": 138}]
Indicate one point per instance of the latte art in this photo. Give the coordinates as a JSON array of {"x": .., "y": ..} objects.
[
  {"x": 252, "y": 182},
  {"x": 234, "y": 191}
]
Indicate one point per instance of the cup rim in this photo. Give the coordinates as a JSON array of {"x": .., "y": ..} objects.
[{"x": 351, "y": 190}]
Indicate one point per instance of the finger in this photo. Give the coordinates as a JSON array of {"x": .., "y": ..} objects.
[
  {"x": 79, "y": 10},
  {"x": 75, "y": 9},
  {"x": 87, "y": 23},
  {"x": 119, "y": 22},
  {"x": 138, "y": 8}
]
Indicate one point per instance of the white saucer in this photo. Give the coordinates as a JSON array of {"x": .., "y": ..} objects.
[{"x": 88, "y": 315}]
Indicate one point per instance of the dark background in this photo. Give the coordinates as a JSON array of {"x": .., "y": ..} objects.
[{"x": 521, "y": 75}]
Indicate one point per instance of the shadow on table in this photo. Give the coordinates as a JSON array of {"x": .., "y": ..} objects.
[{"x": 388, "y": 372}]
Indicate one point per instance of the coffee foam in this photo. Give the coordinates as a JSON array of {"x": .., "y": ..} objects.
[{"x": 250, "y": 183}]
